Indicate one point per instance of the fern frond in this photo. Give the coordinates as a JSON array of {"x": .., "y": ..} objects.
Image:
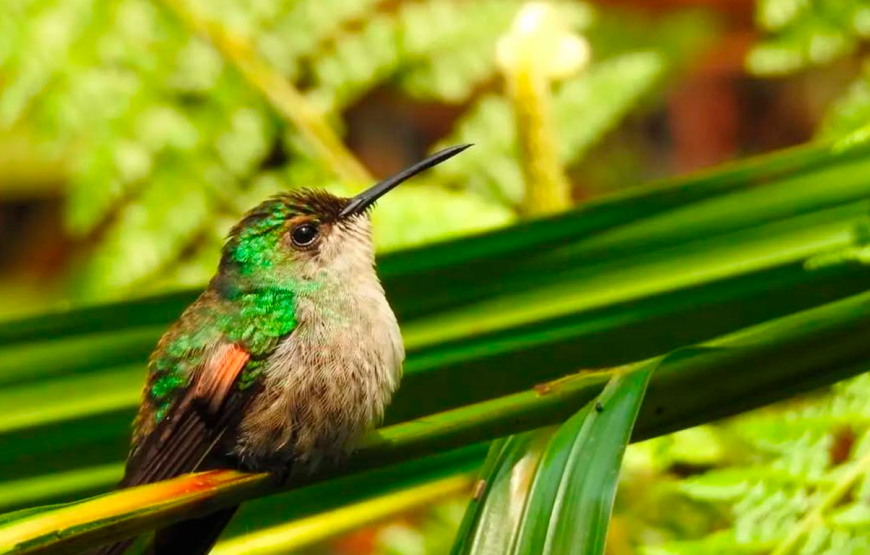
[
  {"x": 358, "y": 61},
  {"x": 807, "y": 33},
  {"x": 800, "y": 489},
  {"x": 585, "y": 107},
  {"x": 213, "y": 82},
  {"x": 451, "y": 60},
  {"x": 302, "y": 28}
]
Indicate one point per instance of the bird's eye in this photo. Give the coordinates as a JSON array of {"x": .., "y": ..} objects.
[{"x": 304, "y": 235}]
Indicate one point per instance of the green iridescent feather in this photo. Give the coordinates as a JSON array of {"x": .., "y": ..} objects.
[
  {"x": 255, "y": 320},
  {"x": 252, "y": 247},
  {"x": 251, "y": 303}
]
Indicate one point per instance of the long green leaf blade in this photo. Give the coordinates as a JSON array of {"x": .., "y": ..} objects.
[
  {"x": 493, "y": 514},
  {"x": 587, "y": 485},
  {"x": 543, "y": 494},
  {"x": 813, "y": 348}
]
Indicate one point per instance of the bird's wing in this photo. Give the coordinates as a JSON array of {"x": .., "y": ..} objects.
[
  {"x": 184, "y": 438},
  {"x": 195, "y": 421}
]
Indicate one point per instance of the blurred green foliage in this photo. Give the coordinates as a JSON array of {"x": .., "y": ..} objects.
[
  {"x": 748, "y": 485},
  {"x": 581, "y": 113},
  {"x": 166, "y": 142},
  {"x": 803, "y": 34},
  {"x": 433, "y": 534}
]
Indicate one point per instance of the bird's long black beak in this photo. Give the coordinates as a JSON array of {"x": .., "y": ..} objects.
[{"x": 359, "y": 203}]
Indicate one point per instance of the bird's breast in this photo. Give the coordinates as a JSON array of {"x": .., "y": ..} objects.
[{"x": 325, "y": 384}]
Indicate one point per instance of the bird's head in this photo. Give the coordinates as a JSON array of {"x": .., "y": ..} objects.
[{"x": 299, "y": 238}]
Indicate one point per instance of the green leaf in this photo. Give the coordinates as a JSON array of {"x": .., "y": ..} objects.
[
  {"x": 39, "y": 488},
  {"x": 501, "y": 493},
  {"x": 541, "y": 492},
  {"x": 204, "y": 489},
  {"x": 572, "y": 494},
  {"x": 799, "y": 352},
  {"x": 407, "y": 271},
  {"x": 799, "y": 482}
]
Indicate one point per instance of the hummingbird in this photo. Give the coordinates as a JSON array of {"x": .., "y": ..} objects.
[{"x": 287, "y": 358}]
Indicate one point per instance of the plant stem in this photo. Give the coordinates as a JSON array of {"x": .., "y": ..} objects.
[
  {"x": 547, "y": 188},
  {"x": 815, "y": 517},
  {"x": 280, "y": 93}
]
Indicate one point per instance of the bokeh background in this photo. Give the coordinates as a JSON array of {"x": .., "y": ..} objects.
[{"x": 129, "y": 145}]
